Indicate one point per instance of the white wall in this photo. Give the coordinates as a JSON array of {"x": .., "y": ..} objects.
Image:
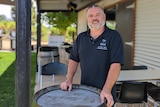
[{"x": 147, "y": 33}]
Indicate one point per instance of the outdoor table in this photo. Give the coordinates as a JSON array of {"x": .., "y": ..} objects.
[{"x": 139, "y": 75}]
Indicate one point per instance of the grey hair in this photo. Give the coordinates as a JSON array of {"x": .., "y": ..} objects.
[{"x": 95, "y": 5}]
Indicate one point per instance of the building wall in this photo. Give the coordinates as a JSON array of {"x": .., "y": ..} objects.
[
  {"x": 147, "y": 33},
  {"x": 82, "y": 21}
]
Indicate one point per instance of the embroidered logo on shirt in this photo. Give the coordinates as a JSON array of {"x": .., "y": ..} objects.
[{"x": 102, "y": 45}]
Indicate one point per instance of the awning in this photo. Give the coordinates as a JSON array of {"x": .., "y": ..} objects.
[
  {"x": 7, "y": 2},
  {"x": 58, "y": 5},
  {"x": 64, "y": 5}
]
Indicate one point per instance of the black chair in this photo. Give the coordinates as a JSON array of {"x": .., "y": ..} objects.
[
  {"x": 154, "y": 91},
  {"x": 118, "y": 89},
  {"x": 53, "y": 68},
  {"x": 133, "y": 93},
  {"x": 155, "y": 95},
  {"x": 151, "y": 86}
]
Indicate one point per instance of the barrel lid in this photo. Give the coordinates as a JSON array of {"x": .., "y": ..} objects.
[{"x": 80, "y": 96}]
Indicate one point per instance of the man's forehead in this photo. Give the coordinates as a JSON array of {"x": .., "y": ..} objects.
[{"x": 94, "y": 10}]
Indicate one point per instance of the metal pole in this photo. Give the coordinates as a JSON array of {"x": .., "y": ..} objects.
[
  {"x": 23, "y": 53},
  {"x": 38, "y": 26}
]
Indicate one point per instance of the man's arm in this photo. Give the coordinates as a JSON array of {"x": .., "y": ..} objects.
[
  {"x": 72, "y": 68},
  {"x": 110, "y": 81},
  {"x": 112, "y": 76}
]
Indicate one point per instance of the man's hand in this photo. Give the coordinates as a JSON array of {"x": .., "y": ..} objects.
[
  {"x": 66, "y": 85},
  {"x": 106, "y": 95}
]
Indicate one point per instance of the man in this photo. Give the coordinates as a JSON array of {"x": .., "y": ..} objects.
[{"x": 100, "y": 53}]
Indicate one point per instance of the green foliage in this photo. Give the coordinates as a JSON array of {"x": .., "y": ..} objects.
[
  {"x": 33, "y": 15},
  {"x": 71, "y": 31},
  {"x": 55, "y": 31},
  {"x": 44, "y": 31},
  {"x": 13, "y": 13},
  {"x": 34, "y": 30},
  {"x": 58, "y": 24},
  {"x": 60, "y": 20},
  {"x": 7, "y": 26},
  {"x": 111, "y": 24}
]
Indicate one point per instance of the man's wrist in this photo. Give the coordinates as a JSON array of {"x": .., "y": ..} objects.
[
  {"x": 68, "y": 78},
  {"x": 106, "y": 89}
]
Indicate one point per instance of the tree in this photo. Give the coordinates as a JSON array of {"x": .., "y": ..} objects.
[
  {"x": 33, "y": 13},
  {"x": 7, "y": 26},
  {"x": 33, "y": 17},
  {"x": 13, "y": 13},
  {"x": 3, "y": 17},
  {"x": 60, "y": 20}
]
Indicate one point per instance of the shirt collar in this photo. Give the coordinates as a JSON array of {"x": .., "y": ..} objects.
[{"x": 106, "y": 32}]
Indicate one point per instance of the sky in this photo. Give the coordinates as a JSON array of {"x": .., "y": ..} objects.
[{"x": 5, "y": 10}]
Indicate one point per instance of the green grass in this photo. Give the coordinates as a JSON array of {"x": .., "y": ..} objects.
[{"x": 7, "y": 78}]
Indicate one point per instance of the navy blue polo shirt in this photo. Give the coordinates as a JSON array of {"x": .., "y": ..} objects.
[{"x": 96, "y": 56}]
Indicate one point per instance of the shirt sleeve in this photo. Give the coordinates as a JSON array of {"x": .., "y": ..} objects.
[
  {"x": 74, "y": 51},
  {"x": 116, "y": 49}
]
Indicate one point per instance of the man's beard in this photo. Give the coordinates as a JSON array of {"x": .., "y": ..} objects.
[{"x": 91, "y": 26}]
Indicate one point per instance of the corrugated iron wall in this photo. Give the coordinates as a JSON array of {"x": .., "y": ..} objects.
[{"x": 147, "y": 33}]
